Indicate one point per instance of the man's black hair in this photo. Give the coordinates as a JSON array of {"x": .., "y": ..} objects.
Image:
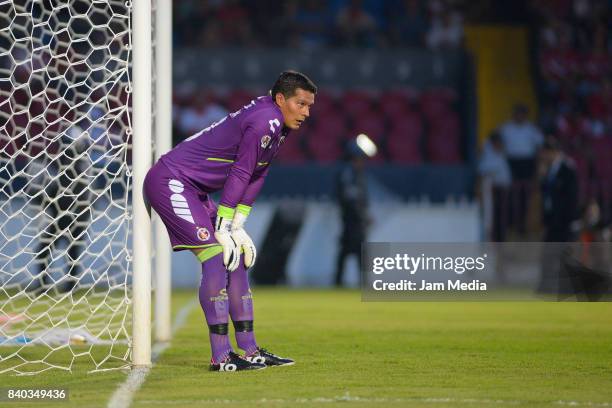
[{"x": 289, "y": 81}]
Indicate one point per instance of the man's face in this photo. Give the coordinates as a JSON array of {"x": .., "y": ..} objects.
[
  {"x": 296, "y": 108},
  {"x": 520, "y": 116}
]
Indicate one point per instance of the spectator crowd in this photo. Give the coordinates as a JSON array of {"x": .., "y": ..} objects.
[{"x": 312, "y": 24}]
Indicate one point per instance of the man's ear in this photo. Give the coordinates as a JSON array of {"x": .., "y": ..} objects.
[{"x": 279, "y": 98}]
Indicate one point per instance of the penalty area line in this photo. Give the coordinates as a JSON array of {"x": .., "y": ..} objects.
[{"x": 123, "y": 395}]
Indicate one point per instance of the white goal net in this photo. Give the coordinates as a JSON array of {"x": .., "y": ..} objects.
[{"x": 65, "y": 185}]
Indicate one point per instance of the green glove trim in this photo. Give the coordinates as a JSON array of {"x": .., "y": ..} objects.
[
  {"x": 226, "y": 212},
  {"x": 244, "y": 209}
]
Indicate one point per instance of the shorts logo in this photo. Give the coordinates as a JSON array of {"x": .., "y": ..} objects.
[
  {"x": 203, "y": 234},
  {"x": 265, "y": 141},
  {"x": 179, "y": 202}
]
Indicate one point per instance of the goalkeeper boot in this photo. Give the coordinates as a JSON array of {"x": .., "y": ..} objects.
[
  {"x": 233, "y": 362},
  {"x": 264, "y": 356}
]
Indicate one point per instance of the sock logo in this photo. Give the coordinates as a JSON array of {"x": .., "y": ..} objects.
[
  {"x": 249, "y": 295},
  {"x": 222, "y": 296},
  {"x": 179, "y": 202}
]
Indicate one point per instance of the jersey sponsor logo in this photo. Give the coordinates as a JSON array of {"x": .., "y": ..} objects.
[
  {"x": 179, "y": 202},
  {"x": 203, "y": 234},
  {"x": 265, "y": 141}
]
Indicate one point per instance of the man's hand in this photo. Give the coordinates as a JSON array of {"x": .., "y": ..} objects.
[
  {"x": 243, "y": 241},
  {"x": 231, "y": 251}
]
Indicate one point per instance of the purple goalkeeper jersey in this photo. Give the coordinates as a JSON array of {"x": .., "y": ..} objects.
[{"x": 233, "y": 154}]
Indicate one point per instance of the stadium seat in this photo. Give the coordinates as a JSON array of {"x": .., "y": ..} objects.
[
  {"x": 291, "y": 151},
  {"x": 356, "y": 103},
  {"x": 404, "y": 147},
  {"x": 601, "y": 148},
  {"x": 238, "y": 98},
  {"x": 325, "y": 102},
  {"x": 324, "y": 147},
  {"x": 443, "y": 141},
  {"x": 437, "y": 102},
  {"x": 395, "y": 103},
  {"x": 371, "y": 123},
  {"x": 330, "y": 123},
  {"x": 409, "y": 123}
]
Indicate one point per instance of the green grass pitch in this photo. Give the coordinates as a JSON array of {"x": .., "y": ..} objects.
[{"x": 416, "y": 354}]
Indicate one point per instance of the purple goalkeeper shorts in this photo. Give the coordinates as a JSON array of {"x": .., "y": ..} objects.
[{"x": 188, "y": 214}]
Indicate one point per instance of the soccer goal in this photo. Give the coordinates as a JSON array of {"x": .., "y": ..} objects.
[{"x": 84, "y": 105}]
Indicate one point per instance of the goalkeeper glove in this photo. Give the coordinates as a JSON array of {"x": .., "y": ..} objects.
[
  {"x": 243, "y": 240},
  {"x": 223, "y": 235}
]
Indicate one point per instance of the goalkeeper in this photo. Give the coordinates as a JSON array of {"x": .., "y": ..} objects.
[{"x": 232, "y": 156}]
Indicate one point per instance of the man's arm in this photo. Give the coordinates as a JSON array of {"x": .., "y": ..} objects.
[
  {"x": 235, "y": 186},
  {"x": 240, "y": 174},
  {"x": 253, "y": 189}
]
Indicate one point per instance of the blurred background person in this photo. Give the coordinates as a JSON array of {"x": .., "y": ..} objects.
[
  {"x": 522, "y": 140},
  {"x": 356, "y": 26},
  {"x": 446, "y": 30},
  {"x": 66, "y": 201},
  {"x": 592, "y": 227},
  {"x": 559, "y": 190},
  {"x": 495, "y": 181},
  {"x": 559, "y": 186},
  {"x": 352, "y": 195},
  {"x": 203, "y": 113}
]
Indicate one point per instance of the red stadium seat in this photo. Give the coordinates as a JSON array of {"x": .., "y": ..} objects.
[
  {"x": 238, "y": 98},
  {"x": 404, "y": 147},
  {"x": 404, "y": 141},
  {"x": 324, "y": 147},
  {"x": 356, "y": 103},
  {"x": 372, "y": 124},
  {"x": 437, "y": 102},
  {"x": 601, "y": 148},
  {"x": 291, "y": 151},
  {"x": 443, "y": 141},
  {"x": 325, "y": 102},
  {"x": 409, "y": 123},
  {"x": 331, "y": 123},
  {"x": 396, "y": 103}
]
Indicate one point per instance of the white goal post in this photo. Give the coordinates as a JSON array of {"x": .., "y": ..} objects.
[{"x": 84, "y": 86}]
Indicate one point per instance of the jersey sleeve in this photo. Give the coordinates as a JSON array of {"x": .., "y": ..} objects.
[
  {"x": 253, "y": 189},
  {"x": 241, "y": 172}
]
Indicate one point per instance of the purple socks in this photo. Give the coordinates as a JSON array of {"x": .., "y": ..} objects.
[
  {"x": 221, "y": 293},
  {"x": 241, "y": 309}
]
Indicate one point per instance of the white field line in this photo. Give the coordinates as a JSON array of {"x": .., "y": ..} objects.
[
  {"x": 122, "y": 397},
  {"x": 348, "y": 398}
]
